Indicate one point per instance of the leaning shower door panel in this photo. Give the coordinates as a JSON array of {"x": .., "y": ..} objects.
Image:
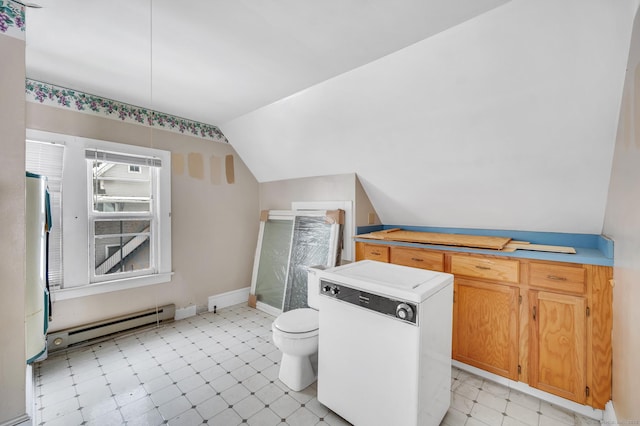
[
  {"x": 316, "y": 241},
  {"x": 314, "y": 235},
  {"x": 273, "y": 261}
]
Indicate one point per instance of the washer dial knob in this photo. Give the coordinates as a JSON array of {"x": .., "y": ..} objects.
[{"x": 404, "y": 312}]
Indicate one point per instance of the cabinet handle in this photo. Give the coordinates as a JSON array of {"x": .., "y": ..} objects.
[
  {"x": 376, "y": 253},
  {"x": 534, "y": 313},
  {"x": 484, "y": 268},
  {"x": 417, "y": 259},
  {"x": 556, "y": 278}
]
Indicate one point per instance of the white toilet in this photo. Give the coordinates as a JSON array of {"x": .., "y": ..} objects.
[{"x": 295, "y": 333}]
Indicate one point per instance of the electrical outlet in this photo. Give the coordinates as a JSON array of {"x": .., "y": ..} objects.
[{"x": 372, "y": 218}]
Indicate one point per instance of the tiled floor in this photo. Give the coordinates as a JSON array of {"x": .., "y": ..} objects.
[{"x": 222, "y": 369}]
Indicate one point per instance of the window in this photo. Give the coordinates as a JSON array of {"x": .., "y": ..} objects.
[
  {"x": 114, "y": 215},
  {"x": 122, "y": 218}
]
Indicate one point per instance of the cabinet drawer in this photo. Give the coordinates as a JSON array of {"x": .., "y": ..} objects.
[
  {"x": 417, "y": 258},
  {"x": 486, "y": 267},
  {"x": 555, "y": 277},
  {"x": 376, "y": 252}
]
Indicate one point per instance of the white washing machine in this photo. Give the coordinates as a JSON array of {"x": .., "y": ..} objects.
[{"x": 385, "y": 343}]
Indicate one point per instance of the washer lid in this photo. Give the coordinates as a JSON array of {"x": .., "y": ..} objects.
[
  {"x": 388, "y": 279},
  {"x": 297, "y": 321}
]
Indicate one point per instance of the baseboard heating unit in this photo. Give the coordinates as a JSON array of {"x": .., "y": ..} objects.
[{"x": 109, "y": 328}]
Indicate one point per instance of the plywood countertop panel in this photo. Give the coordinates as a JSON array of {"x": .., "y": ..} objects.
[{"x": 477, "y": 241}]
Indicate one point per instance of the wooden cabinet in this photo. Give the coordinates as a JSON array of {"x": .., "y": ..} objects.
[
  {"x": 570, "y": 331},
  {"x": 569, "y": 279},
  {"x": 485, "y": 326},
  {"x": 558, "y": 344},
  {"x": 486, "y": 312},
  {"x": 417, "y": 258},
  {"x": 558, "y": 314},
  {"x": 544, "y": 323},
  {"x": 376, "y": 252},
  {"x": 485, "y": 267}
]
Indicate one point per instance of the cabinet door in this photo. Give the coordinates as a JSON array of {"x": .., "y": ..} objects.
[
  {"x": 485, "y": 326},
  {"x": 558, "y": 344}
]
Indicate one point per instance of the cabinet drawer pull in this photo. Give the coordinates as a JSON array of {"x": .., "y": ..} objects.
[
  {"x": 417, "y": 259},
  {"x": 484, "y": 268},
  {"x": 556, "y": 278},
  {"x": 376, "y": 253}
]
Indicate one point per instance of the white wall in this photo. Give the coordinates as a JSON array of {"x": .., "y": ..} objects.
[
  {"x": 622, "y": 223},
  {"x": 506, "y": 121}
]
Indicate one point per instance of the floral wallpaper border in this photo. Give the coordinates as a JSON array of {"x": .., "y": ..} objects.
[
  {"x": 12, "y": 20},
  {"x": 52, "y": 95}
]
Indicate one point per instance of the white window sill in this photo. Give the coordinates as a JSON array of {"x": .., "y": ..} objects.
[{"x": 109, "y": 286}]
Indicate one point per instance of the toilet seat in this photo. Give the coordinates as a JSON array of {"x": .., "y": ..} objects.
[{"x": 297, "y": 322}]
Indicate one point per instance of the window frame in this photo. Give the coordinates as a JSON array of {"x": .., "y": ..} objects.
[
  {"x": 134, "y": 169},
  {"x": 77, "y": 265},
  {"x": 96, "y": 216}
]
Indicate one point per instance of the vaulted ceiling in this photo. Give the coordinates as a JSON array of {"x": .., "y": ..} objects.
[
  {"x": 215, "y": 60},
  {"x": 474, "y": 113},
  {"x": 507, "y": 121}
]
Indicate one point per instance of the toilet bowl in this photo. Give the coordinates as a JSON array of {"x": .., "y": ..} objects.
[{"x": 295, "y": 333}]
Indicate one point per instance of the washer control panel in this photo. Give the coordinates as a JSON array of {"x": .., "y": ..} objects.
[{"x": 399, "y": 309}]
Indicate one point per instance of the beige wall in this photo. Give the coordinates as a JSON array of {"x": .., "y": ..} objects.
[
  {"x": 12, "y": 243},
  {"x": 278, "y": 195},
  {"x": 214, "y": 224},
  {"x": 622, "y": 223}
]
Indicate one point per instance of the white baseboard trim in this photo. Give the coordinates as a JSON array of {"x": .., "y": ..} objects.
[
  {"x": 229, "y": 298},
  {"x": 584, "y": 410},
  {"x": 183, "y": 313},
  {"x": 22, "y": 420},
  {"x": 610, "y": 415}
]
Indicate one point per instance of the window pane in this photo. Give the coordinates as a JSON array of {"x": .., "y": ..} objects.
[
  {"x": 117, "y": 227},
  {"x": 274, "y": 257},
  {"x": 121, "y": 246},
  {"x": 121, "y": 187}
]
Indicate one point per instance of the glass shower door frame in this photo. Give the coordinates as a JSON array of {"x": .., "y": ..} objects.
[{"x": 292, "y": 215}]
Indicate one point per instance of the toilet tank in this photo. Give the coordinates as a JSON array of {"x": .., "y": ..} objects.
[{"x": 313, "y": 285}]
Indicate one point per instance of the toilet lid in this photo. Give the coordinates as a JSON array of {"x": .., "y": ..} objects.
[{"x": 297, "y": 321}]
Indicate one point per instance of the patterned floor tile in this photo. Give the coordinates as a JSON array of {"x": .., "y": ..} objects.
[{"x": 223, "y": 369}]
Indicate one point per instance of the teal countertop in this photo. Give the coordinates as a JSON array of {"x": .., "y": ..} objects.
[{"x": 591, "y": 249}]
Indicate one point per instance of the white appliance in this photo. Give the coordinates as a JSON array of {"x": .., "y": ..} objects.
[
  {"x": 38, "y": 222},
  {"x": 385, "y": 343}
]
